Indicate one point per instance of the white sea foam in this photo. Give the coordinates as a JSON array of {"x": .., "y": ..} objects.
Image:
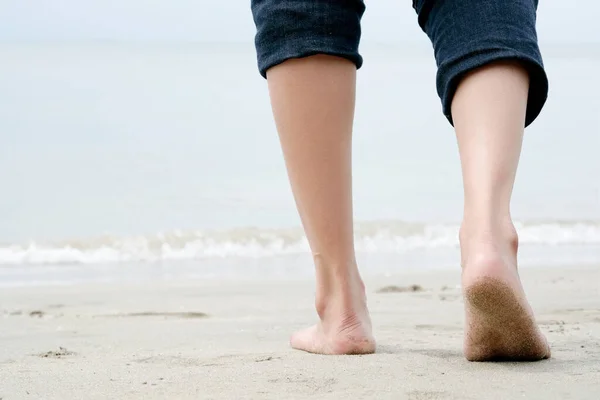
[{"x": 376, "y": 237}]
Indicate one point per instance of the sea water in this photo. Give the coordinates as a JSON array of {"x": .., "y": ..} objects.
[{"x": 125, "y": 160}]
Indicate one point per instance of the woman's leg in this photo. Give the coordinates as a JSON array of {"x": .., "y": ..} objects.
[
  {"x": 492, "y": 84},
  {"x": 313, "y": 104},
  {"x": 308, "y": 51},
  {"x": 489, "y": 116}
]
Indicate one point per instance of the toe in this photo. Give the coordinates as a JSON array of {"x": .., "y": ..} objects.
[{"x": 307, "y": 340}]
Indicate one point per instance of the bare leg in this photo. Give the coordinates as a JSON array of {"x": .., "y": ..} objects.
[
  {"x": 313, "y": 104},
  {"x": 489, "y": 115}
]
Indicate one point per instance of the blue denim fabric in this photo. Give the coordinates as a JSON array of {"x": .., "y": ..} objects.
[
  {"x": 301, "y": 28},
  {"x": 465, "y": 34}
]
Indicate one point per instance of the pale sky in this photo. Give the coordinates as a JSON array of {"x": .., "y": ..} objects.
[{"x": 559, "y": 21}]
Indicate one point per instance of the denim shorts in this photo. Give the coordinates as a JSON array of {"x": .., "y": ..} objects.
[{"x": 465, "y": 34}]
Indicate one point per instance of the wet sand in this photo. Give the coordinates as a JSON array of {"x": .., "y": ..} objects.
[{"x": 229, "y": 340}]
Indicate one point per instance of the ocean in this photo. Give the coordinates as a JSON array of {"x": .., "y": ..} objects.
[{"x": 157, "y": 161}]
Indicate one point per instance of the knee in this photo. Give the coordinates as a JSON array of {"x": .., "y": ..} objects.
[{"x": 302, "y": 28}]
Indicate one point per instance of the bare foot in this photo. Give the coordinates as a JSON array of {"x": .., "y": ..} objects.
[
  {"x": 348, "y": 337},
  {"x": 499, "y": 323},
  {"x": 345, "y": 325}
]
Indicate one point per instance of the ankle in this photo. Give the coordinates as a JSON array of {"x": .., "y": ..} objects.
[
  {"x": 488, "y": 229},
  {"x": 499, "y": 237},
  {"x": 336, "y": 274},
  {"x": 340, "y": 291}
]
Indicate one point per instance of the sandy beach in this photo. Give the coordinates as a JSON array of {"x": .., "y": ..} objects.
[{"x": 229, "y": 340}]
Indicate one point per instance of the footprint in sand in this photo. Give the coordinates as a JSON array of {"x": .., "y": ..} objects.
[
  {"x": 61, "y": 353},
  {"x": 184, "y": 315},
  {"x": 401, "y": 289}
]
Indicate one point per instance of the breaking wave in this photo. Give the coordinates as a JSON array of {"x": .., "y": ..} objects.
[{"x": 373, "y": 237}]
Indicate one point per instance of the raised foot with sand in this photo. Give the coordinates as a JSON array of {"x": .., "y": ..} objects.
[{"x": 499, "y": 324}]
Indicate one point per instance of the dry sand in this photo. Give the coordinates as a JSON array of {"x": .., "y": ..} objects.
[{"x": 226, "y": 340}]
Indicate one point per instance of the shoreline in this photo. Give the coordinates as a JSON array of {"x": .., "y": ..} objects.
[{"x": 283, "y": 267}]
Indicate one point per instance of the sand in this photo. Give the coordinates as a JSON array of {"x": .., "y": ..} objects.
[{"x": 229, "y": 340}]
